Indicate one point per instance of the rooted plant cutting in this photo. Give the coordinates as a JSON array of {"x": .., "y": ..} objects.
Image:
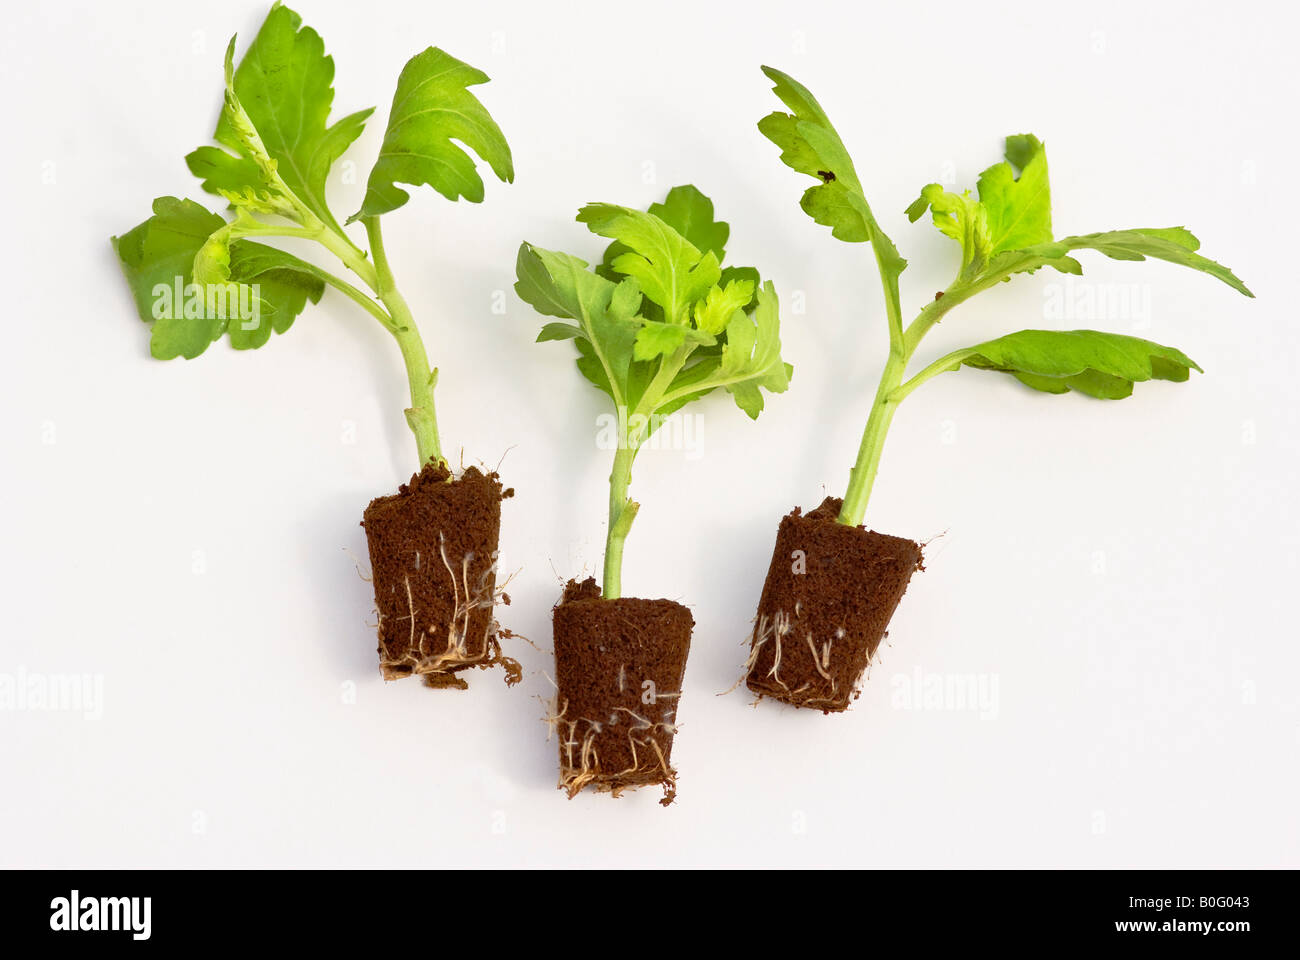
[
  {"x": 658, "y": 323},
  {"x": 197, "y": 276},
  {"x": 833, "y": 585}
]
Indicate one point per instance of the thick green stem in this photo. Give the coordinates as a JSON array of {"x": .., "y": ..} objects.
[
  {"x": 421, "y": 415},
  {"x": 863, "y": 474},
  {"x": 622, "y": 511},
  {"x": 892, "y": 390}
]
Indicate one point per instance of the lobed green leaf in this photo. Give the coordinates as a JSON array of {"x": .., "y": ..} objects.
[
  {"x": 810, "y": 145},
  {"x": 284, "y": 85},
  {"x": 433, "y": 113},
  {"x": 656, "y": 300},
  {"x": 158, "y": 258},
  {"x": 671, "y": 271}
]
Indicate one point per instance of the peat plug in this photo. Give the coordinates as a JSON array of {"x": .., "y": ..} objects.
[
  {"x": 198, "y": 276},
  {"x": 659, "y": 324},
  {"x": 818, "y": 627}
]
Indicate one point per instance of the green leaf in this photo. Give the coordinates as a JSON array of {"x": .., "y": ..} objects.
[
  {"x": 751, "y": 358},
  {"x": 648, "y": 364},
  {"x": 153, "y": 255},
  {"x": 657, "y": 339},
  {"x": 959, "y": 216},
  {"x": 714, "y": 312},
  {"x": 284, "y": 85},
  {"x": 285, "y": 284},
  {"x": 559, "y": 331},
  {"x": 1172, "y": 244},
  {"x": 671, "y": 272},
  {"x": 1014, "y": 209},
  {"x": 158, "y": 259},
  {"x": 560, "y": 285},
  {"x": 1103, "y": 365},
  {"x": 433, "y": 114},
  {"x": 690, "y": 213},
  {"x": 1016, "y": 198},
  {"x": 1009, "y": 229},
  {"x": 810, "y": 145},
  {"x": 746, "y": 275}
]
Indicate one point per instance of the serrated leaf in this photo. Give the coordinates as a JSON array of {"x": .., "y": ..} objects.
[
  {"x": 434, "y": 113},
  {"x": 746, "y": 274},
  {"x": 1172, "y": 244},
  {"x": 285, "y": 286},
  {"x": 1103, "y": 365},
  {"x": 810, "y": 144},
  {"x": 751, "y": 359},
  {"x": 157, "y": 258},
  {"x": 647, "y": 365},
  {"x": 560, "y": 285},
  {"x": 1016, "y": 198},
  {"x": 714, "y": 312},
  {"x": 1009, "y": 229},
  {"x": 1013, "y": 211},
  {"x": 656, "y": 339},
  {"x": 284, "y": 84},
  {"x": 671, "y": 272},
  {"x": 690, "y": 213}
]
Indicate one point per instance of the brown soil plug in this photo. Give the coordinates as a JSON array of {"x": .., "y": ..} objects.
[
  {"x": 433, "y": 548},
  {"x": 618, "y": 675},
  {"x": 830, "y": 593}
]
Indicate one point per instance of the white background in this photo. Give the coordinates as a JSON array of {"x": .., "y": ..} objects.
[{"x": 1123, "y": 571}]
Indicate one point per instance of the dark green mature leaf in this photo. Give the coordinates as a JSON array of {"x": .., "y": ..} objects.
[
  {"x": 433, "y": 113},
  {"x": 284, "y": 83},
  {"x": 1103, "y": 365},
  {"x": 157, "y": 258}
]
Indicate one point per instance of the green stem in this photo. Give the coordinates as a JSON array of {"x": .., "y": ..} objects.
[
  {"x": 863, "y": 474},
  {"x": 632, "y": 433},
  {"x": 944, "y": 364},
  {"x": 891, "y": 391},
  {"x": 347, "y": 251},
  {"x": 622, "y": 511},
  {"x": 421, "y": 415}
]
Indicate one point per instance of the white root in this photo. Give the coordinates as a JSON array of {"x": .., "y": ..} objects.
[
  {"x": 580, "y": 765},
  {"x": 774, "y": 630},
  {"x": 438, "y": 669}
]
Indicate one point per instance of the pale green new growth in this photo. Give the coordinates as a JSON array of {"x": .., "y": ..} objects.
[
  {"x": 276, "y": 151},
  {"x": 657, "y": 324},
  {"x": 1005, "y": 230}
]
